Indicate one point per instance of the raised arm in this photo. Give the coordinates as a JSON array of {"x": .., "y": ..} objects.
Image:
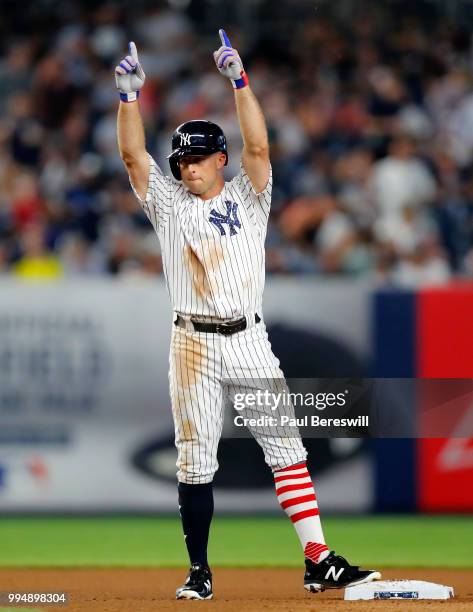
[
  {"x": 130, "y": 79},
  {"x": 255, "y": 156}
]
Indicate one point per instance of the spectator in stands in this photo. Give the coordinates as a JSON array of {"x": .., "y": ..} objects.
[
  {"x": 401, "y": 180},
  {"x": 370, "y": 121},
  {"x": 36, "y": 262}
]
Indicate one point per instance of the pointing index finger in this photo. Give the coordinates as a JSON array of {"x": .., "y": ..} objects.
[
  {"x": 224, "y": 38},
  {"x": 133, "y": 51}
]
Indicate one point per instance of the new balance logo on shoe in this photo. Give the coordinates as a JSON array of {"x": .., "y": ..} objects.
[
  {"x": 335, "y": 572},
  {"x": 208, "y": 584},
  {"x": 335, "y": 575}
]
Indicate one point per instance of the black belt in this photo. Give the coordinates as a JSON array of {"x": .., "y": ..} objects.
[{"x": 225, "y": 329}]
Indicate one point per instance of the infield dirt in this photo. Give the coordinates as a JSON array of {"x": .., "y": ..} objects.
[{"x": 256, "y": 590}]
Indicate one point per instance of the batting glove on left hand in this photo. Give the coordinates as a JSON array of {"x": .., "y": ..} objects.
[
  {"x": 229, "y": 62},
  {"x": 129, "y": 75}
]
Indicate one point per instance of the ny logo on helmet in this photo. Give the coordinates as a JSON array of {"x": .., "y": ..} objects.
[{"x": 185, "y": 140}]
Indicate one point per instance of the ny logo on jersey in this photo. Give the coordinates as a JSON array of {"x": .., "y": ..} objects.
[
  {"x": 230, "y": 218},
  {"x": 185, "y": 140}
]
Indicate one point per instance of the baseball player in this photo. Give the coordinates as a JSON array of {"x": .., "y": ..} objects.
[{"x": 212, "y": 237}]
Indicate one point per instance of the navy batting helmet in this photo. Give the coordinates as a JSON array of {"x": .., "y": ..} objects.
[{"x": 196, "y": 137}]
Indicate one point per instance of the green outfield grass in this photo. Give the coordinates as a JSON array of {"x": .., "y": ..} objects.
[{"x": 152, "y": 542}]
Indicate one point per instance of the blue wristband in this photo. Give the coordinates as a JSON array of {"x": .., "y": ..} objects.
[
  {"x": 241, "y": 82},
  {"x": 129, "y": 97}
]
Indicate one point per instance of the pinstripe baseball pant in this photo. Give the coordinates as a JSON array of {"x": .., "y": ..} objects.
[{"x": 206, "y": 368}]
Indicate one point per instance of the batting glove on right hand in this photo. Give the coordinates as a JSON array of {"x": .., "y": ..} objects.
[
  {"x": 130, "y": 76},
  {"x": 229, "y": 63}
]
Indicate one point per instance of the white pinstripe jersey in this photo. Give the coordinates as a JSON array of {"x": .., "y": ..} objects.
[{"x": 213, "y": 250}]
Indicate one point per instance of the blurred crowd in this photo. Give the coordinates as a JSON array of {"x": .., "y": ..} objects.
[{"x": 370, "y": 122}]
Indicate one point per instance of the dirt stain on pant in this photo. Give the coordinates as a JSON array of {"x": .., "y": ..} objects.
[
  {"x": 189, "y": 432},
  {"x": 187, "y": 435},
  {"x": 190, "y": 358}
]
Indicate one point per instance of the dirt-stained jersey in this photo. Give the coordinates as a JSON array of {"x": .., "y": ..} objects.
[{"x": 213, "y": 250}]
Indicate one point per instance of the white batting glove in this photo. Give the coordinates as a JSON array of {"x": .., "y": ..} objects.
[
  {"x": 129, "y": 75},
  {"x": 229, "y": 62}
]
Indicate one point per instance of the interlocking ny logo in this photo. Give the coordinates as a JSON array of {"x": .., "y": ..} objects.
[
  {"x": 185, "y": 140},
  {"x": 336, "y": 575},
  {"x": 231, "y": 218}
]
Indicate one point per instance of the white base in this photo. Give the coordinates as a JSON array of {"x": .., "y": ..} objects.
[{"x": 399, "y": 589}]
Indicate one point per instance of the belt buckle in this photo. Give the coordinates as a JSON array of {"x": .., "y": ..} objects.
[{"x": 227, "y": 329}]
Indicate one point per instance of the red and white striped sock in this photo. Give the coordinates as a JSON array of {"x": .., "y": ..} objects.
[{"x": 296, "y": 496}]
